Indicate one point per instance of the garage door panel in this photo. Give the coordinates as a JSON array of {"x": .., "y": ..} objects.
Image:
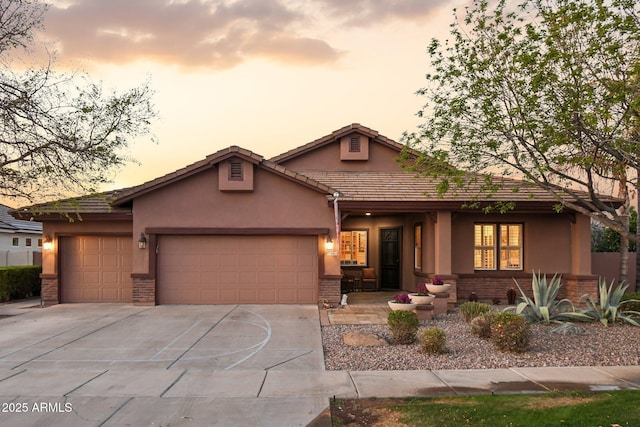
[
  {"x": 249, "y": 278},
  {"x": 111, "y": 294},
  {"x": 91, "y": 278},
  {"x": 238, "y": 269},
  {"x": 90, "y": 261},
  {"x": 89, "y": 243},
  {"x": 96, "y": 269}
]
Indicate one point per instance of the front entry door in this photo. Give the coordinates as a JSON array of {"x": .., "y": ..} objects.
[{"x": 390, "y": 239}]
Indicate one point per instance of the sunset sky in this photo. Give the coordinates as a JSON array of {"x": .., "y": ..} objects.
[{"x": 267, "y": 75}]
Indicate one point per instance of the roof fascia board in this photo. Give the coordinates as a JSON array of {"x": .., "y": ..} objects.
[{"x": 426, "y": 206}]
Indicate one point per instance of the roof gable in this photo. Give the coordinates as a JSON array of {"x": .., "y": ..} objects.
[
  {"x": 335, "y": 136},
  {"x": 211, "y": 161}
]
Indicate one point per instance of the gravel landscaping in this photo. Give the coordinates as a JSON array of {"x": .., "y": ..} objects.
[{"x": 593, "y": 345}]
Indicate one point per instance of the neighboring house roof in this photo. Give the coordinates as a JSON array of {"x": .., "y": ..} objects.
[{"x": 11, "y": 224}]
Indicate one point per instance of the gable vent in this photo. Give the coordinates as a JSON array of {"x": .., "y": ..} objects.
[
  {"x": 235, "y": 170},
  {"x": 354, "y": 144}
]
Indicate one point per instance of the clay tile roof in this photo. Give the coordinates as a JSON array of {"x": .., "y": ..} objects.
[
  {"x": 401, "y": 186},
  {"x": 75, "y": 208}
]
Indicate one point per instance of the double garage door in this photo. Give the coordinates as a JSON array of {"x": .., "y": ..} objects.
[
  {"x": 195, "y": 269},
  {"x": 237, "y": 270}
]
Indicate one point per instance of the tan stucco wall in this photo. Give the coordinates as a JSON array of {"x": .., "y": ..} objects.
[
  {"x": 276, "y": 202},
  {"x": 541, "y": 232},
  {"x": 381, "y": 158},
  {"x": 55, "y": 229}
]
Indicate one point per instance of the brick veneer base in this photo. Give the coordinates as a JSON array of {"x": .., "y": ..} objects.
[
  {"x": 489, "y": 287},
  {"x": 49, "y": 289},
  {"x": 329, "y": 291},
  {"x": 144, "y": 291}
]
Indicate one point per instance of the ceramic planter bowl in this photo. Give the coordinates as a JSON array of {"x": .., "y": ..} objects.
[
  {"x": 402, "y": 306},
  {"x": 422, "y": 299},
  {"x": 438, "y": 289}
]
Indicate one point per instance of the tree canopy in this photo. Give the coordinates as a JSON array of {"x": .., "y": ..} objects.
[
  {"x": 604, "y": 239},
  {"x": 60, "y": 133},
  {"x": 546, "y": 92}
]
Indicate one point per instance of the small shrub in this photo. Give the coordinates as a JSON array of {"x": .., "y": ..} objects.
[
  {"x": 471, "y": 310},
  {"x": 19, "y": 282},
  {"x": 403, "y": 325},
  {"x": 481, "y": 325},
  {"x": 433, "y": 341},
  {"x": 510, "y": 332}
]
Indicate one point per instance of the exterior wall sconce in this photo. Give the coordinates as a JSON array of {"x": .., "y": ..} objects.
[
  {"x": 328, "y": 244},
  {"x": 47, "y": 244},
  {"x": 142, "y": 241}
]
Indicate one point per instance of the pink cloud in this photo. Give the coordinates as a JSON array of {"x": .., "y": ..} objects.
[
  {"x": 215, "y": 34},
  {"x": 193, "y": 34}
]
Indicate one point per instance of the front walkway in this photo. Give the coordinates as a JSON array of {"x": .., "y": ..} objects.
[{"x": 363, "y": 308}]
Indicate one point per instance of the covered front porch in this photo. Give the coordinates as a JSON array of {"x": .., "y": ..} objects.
[{"x": 408, "y": 248}]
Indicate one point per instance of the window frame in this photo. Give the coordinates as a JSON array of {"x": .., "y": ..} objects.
[
  {"x": 417, "y": 246},
  {"x": 498, "y": 247},
  {"x": 15, "y": 242},
  {"x": 363, "y": 247}
]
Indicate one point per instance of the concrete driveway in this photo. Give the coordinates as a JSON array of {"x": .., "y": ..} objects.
[{"x": 114, "y": 365}]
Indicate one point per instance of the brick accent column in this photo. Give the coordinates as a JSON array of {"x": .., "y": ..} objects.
[
  {"x": 577, "y": 286},
  {"x": 49, "y": 289},
  {"x": 329, "y": 291},
  {"x": 144, "y": 290}
]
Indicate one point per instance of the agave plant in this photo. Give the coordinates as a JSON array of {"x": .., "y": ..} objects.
[
  {"x": 544, "y": 307},
  {"x": 607, "y": 308}
]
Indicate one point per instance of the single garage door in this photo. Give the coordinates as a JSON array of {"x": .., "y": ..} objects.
[
  {"x": 237, "y": 270},
  {"x": 96, "y": 269}
]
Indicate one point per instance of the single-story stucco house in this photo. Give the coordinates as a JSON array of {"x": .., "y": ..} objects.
[{"x": 236, "y": 228}]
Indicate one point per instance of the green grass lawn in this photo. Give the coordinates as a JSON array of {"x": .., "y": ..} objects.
[{"x": 612, "y": 408}]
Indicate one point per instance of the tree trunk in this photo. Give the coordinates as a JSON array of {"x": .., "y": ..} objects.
[
  {"x": 623, "y": 193},
  {"x": 638, "y": 229},
  {"x": 624, "y": 250}
]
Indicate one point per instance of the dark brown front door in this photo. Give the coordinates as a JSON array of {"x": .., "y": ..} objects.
[{"x": 390, "y": 239}]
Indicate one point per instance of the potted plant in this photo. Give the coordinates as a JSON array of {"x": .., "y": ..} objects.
[
  {"x": 437, "y": 286},
  {"x": 421, "y": 295},
  {"x": 402, "y": 302}
]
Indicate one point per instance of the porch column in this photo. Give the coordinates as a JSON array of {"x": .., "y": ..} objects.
[
  {"x": 443, "y": 242},
  {"x": 581, "y": 281},
  {"x": 581, "y": 245}
]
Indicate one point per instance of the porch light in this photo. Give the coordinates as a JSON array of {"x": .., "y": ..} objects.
[
  {"x": 142, "y": 241},
  {"x": 47, "y": 244},
  {"x": 367, "y": 213},
  {"x": 328, "y": 244}
]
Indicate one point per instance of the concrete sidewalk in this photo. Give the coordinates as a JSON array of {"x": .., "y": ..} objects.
[{"x": 114, "y": 365}]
